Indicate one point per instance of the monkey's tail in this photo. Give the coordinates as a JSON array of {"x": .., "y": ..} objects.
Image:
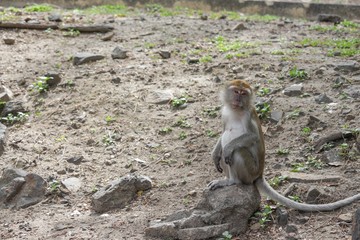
[{"x": 265, "y": 188}]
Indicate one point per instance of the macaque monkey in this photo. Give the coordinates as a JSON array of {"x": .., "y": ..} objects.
[{"x": 240, "y": 151}]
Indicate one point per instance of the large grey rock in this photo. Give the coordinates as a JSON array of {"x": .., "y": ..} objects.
[
  {"x": 353, "y": 91},
  {"x": 160, "y": 96},
  {"x": 5, "y": 94},
  {"x": 2, "y": 138},
  {"x": 224, "y": 209},
  {"x": 19, "y": 189},
  {"x": 84, "y": 57},
  {"x": 294, "y": 90},
  {"x": 118, "y": 53},
  {"x": 73, "y": 184},
  {"x": 12, "y": 107},
  {"x": 120, "y": 192},
  {"x": 347, "y": 67}
]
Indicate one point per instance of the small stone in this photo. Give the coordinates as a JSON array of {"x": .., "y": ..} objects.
[
  {"x": 9, "y": 41},
  {"x": 347, "y": 67},
  {"x": 293, "y": 90},
  {"x": 54, "y": 78},
  {"x": 5, "y": 94},
  {"x": 13, "y": 107},
  {"x": 55, "y": 17},
  {"x": 116, "y": 80},
  {"x": 336, "y": 19},
  {"x": 165, "y": 54},
  {"x": 192, "y": 193},
  {"x": 216, "y": 79},
  {"x": 346, "y": 217},
  {"x": 77, "y": 160},
  {"x": 322, "y": 98},
  {"x": 73, "y": 184},
  {"x": 276, "y": 116},
  {"x": 239, "y": 27},
  {"x": 333, "y": 158},
  {"x": 282, "y": 216},
  {"x": 118, "y": 53},
  {"x": 160, "y": 96},
  {"x": 192, "y": 60},
  {"x": 353, "y": 91},
  {"x": 61, "y": 172},
  {"x": 81, "y": 58},
  {"x": 314, "y": 195},
  {"x": 204, "y": 17},
  {"x": 108, "y": 36}
]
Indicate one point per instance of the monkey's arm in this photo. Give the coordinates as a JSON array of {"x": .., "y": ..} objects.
[
  {"x": 244, "y": 141},
  {"x": 216, "y": 155}
]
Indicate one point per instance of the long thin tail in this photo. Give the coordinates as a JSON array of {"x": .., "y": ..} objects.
[{"x": 264, "y": 187}]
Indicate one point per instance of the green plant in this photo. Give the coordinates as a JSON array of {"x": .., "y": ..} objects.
[
  {"x": 182, "y": 135},
  {"x": 118, "y": 9},
  {"x": 212, "y": 112},
  {"x": 11, "y": 119},
  {"x": 299, "y": 74},
  {"x": 294, "y": 114},
  {"x": 282, "y": 151},
  {"x": 205, "y": 59},
  {"x": 225, "y": 236},
  {"x": 298, "y": 167},
  {"x": 182, "y": 123},
  {"x": 54, "y": 187},
  {"x": 264, "y": 215},
  {"x": 109, "y": 139},
  {"x": 165, "y": 130},
  {"x": 71, "y": 33},
  {"x": 157, "y": 8},
  {"x": 263, "y": 91},
  {"x": 344, "y": 149},
  {"x": 224, "y": 45},
  {"x": 41, "y": 85},
  {"x": 109, "y": 119},
  {"x": 210, "y": 133},
  {"x": 61, "y": 138},
  {"x": 263, "y": 110},
  {"x": 295, "y": 198},
  {"x": 276, "y": 181},
  {"x": 314, "y": 162},
  {"x": 306, "y": 131},
  {"x": 39, "y": 8},
  {"x": 179, "y": 102}
]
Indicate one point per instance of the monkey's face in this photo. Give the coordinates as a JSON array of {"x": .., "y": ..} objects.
[{"x": 238, "y": 94}]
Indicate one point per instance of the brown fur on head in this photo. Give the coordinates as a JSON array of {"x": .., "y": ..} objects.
[{"x": 238, "y": 94}]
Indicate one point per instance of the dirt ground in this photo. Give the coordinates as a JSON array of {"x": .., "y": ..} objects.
[{"x": 101, "y": 111}]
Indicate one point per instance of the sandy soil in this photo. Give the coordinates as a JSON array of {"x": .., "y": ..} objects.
[{"x": 116, "y": 129}]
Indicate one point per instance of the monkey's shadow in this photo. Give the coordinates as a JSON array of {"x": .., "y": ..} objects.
[{"x": 220, "y": 210}]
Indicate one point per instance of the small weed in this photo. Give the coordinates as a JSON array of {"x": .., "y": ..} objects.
[
  {"x": 109, "y": 119},
  {"x": 182, "y": 123},
  {"x": 344, "y": 149},
  {"x": 41, "y": 84},
  {"x": 149, "y": 45},
  {"x": 299, "y": 74},
  {"x": 263, "y": 91},
  {"x": 157, "y": 8},
  {"x": 71, "y": 33},
  {"x": 61, "y": 138},
  {"x": 314, "y": 162},
  {"x": 210, "y": 133},
  {"x": 283, "y": 151},
  {"x": 277, "y": 181},
  {"x": 295, "y": 198},
  {"x": 206, "y": 59},
  {"x": 182, "y": 135},
  {"x": 117, "y": 9},
  {"x": 298, "y": 167},
  {"x": 11, "y": 119},
  {"x": 54, "y": 188},
  {"x": 306, "y": 131},
  {"x": 294, "y": 114},
  {"x": 39, "y": 8},
  {"x": 225, "y": 236},
  {"x": 224, "y": 45},
  {"x": 264, "y": 215},
  {"x": 263, "y": 110},
  {"x": 165, "y": 130},
  {"x": 212, "y": 112},
  {"x": 109, "y": 139},
  {"x": 277, "y": 52},
  {"x": 179, "y": 102}
]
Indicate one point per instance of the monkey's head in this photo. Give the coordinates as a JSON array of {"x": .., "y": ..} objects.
[{"x": 238, "y": 94}]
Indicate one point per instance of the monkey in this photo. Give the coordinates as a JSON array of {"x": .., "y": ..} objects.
[{"x": 240, "y": 150}]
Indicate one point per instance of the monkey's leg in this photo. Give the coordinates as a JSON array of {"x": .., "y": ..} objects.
[
  {"x": 222, "y": 182},
  {"x": 245, "y": 167}
]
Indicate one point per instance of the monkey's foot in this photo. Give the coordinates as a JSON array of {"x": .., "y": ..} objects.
[{"x": 220, "y": 183}]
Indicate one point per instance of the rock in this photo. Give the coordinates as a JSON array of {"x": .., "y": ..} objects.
[
  {"x": 310, "y": 178},
  {"x": 347, "y": 67},
  {"x": 353, "y": 91},
  {"x": 2, "y": 138},
  {"x": 216, "y": 79},
  {"x": 12, "y": 107},
  {"x": 356, "y": 226},
  {"x": 84, "y": 57},
  {"x": 239, "y": 27},
  {"x": 118, "y": 53},
  {"x": 165, "y": 54},
  {"x": 54, "y": 79},
  {"x": 314, "y": 123},
  {"x": 291, "y": 228},
  {"x": 282, "y": 216},
  {"x": 19, "y": 189},
  {"x": 9, "y": 41},
  {"x": 322, "y": 98},
  {"x": 204, "y": 17},
  {"x": 108, "y": 36},
  {"x": 5, "y": 94},
  {"x": 75, "y": 160},
  {"x": 116, "y": 80},
  {"x": 55, "y": 17},
  {"x": 346, "y": 217},
  {"x": 220, "y": 210},
  {"x": 73, "y": 184},
  {"x": 314, "y": 195},
  {"x": 276, "y": 116},
  {"x": 160, "y": 96},
  {"x": 293, "y": 90},
  {"x": 336, "y": 19},
  {"x": 333, "y": 158},
  {"x": 119, "y": 192},
  {"x": 192, "y": 60}
]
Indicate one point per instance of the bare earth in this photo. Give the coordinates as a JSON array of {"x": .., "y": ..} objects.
[{"x": 70, "y": 120}]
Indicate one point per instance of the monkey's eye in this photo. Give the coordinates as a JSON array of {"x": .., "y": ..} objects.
[{"x": 240, "y": 92}]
